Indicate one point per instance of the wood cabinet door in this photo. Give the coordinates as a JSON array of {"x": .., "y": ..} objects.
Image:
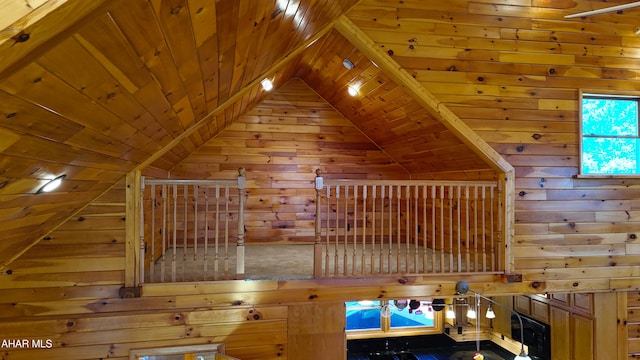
[
  {"x": 560, "y": 333},
  {"x": 582, "y": 337}
]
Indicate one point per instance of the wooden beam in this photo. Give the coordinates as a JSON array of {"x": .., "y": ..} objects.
[
  {"x": 391, "y": 68},
  {"x": 132, "y": 229},
  {"x": 44, "y": 28},
  {"x": 18, "y": 15}
]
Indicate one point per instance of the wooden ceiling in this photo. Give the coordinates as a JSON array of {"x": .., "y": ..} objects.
[{"x": 95, "y": 89}]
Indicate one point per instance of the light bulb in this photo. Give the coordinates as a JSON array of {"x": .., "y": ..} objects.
[
  {"x": 353, "y": 91},
  {"x": 429, "y": 313},
  {"x": 450, "y": 313},
  {"x": 490, "y": 314},
  {"x": 267, "y": 84},
  {"x": 51, "y": 185},
  {"x": 471, "y": 313}
]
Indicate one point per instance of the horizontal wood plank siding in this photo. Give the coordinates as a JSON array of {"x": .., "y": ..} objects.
[{"x": 281, "y": 143}]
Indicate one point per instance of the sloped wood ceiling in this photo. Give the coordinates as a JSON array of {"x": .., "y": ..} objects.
[
  {"x": 98, "y": 88},
  {"x": 394, "y": 121}
]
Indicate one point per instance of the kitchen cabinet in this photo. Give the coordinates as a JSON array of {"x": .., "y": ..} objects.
[
  {"x": 560, "y": 333},
  {"x": 582, "y": 333},
  {"x": 572, "y": 332}
]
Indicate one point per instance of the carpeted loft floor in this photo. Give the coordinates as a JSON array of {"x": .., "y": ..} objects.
[
  {"x": 291, "y": 262},
  {"x": 262, "y": 262}
]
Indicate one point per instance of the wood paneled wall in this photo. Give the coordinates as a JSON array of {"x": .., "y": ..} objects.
[
  {"x": 502, "y": 70},
  {"x": 281, "y": 143},
  {"x": 66, "y": 288}
]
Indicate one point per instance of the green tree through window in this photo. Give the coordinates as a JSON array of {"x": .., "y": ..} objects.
[{"x": 610, "y": 135}]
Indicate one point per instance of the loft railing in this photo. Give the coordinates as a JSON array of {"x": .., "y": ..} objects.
[
  {"x": 189, "y": 229},
  {"x": 366, "y": 228}
]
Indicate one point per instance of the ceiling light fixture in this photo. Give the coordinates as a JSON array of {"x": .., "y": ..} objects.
[
  {"x": 51, "y": 185},
  {"x": 267, "y": 84},
  {"x": 347, "y": 64},
  {"x": 353, "y": 91}
]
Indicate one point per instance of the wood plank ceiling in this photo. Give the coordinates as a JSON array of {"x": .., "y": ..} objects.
[
  {"x": 95, "y": 89},
  {"x": 128, "y": 82}
]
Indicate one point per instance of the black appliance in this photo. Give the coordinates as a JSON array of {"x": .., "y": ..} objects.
[{"x": 537, "y": 336}]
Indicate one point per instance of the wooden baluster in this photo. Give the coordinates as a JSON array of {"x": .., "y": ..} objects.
[
  {"x": 434, "y": 234},
  {"x": 425, "y": 232},
  {"x": 468, "y": 228},
  {"x": 450, "y": 206},
  {"x": 240, "y": 248},
  {"x": 373, "y": 229},
  {"x": 206, "y": 232},
  {"x": 364, "y": 226},
  {"x": 458, "y": 225},
  {"x": 175, "y": 232},
  {"x": 484, "y": 230},
  {"x": 346, "y": 235},
  {"x": 317, "y": 246},
  {"x": 195, "y": 228},
  {"x": 416, "y": 225},
  {"x": 165, "y": 232},
  {"x": 337, "y": 227},
  {"x": 502, "y": 236},
  {"x": 328, "y": 214},
  {"x": 442, "y": 240},
  {"x": 390, "y": 210},
  {"x": 492, "y": 226},
  {"x": 226, "y": 231},
  {"x": 152, "y": 264},
  {"x": 382, "y": 197},
  {"x": 185, "y": 221},
  {"x": 216, "y": 260},
  {"x": 475, "y": 228},
  {"x": 355, "y": 229},
  {"x": 407, "y": 224},
  {"x": 398, "y": 227}
]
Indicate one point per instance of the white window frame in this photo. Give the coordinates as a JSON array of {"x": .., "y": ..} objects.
[{"x": 632, "y": 95}]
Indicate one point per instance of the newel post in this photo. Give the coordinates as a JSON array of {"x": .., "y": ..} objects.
[
  {"x": 317, "y": 247},
  {"x": 142, "y": 243},
  {"x": 242, "y": 185}
]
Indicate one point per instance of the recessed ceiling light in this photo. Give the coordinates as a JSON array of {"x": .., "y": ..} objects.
[
  {"x": 353, "y": 91},
  {"x": 51, "y": 185},
  {"x": 267, "y": 84}
]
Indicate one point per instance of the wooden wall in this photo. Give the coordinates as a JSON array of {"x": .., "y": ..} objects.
[
  {"x": 64, "y": 294},
  {"x": 513, "y": 74},
  {"x": 66, "y": 288},
  {"x": 281, "y": 143}
]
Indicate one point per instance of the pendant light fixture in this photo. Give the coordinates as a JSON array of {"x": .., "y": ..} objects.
[{"x": 462, "y": 287}]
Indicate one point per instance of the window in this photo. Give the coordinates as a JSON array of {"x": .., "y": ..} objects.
[
  {"x": 389, "y": 318},
  {"x": 610, "y": 143}
]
